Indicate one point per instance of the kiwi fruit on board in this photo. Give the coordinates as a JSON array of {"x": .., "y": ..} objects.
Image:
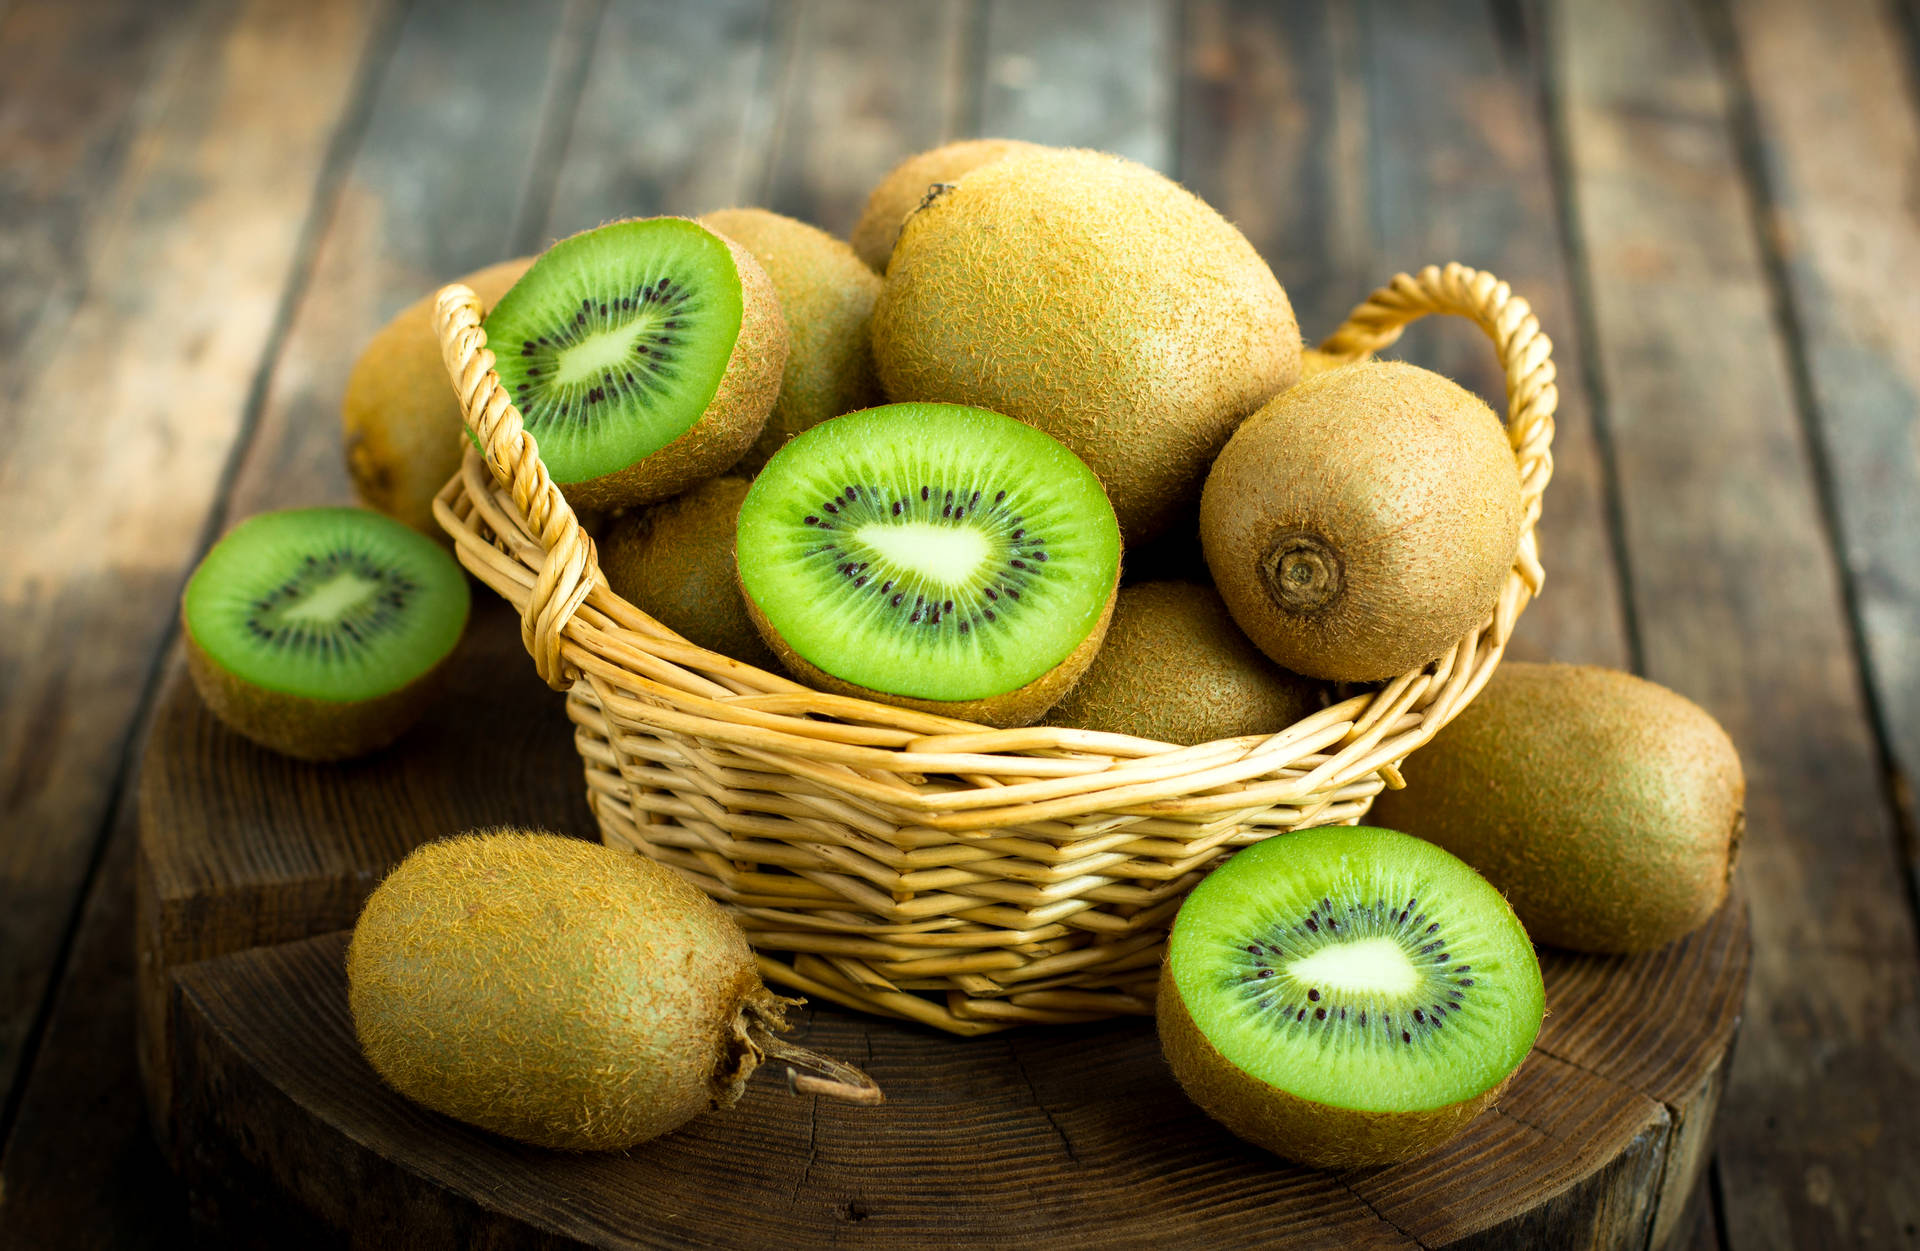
[
  {"x": 644, "y": 356},
  {"x": 1098, "y": 300},
  {"x": 674, "y": 562},
  {"x": 563, "y": 993},
  {"x": 400, "y": 420},
  {"x": 907, "y": 183},
  {"x": 1174, "y": 668},
  {"x": 320, "y": 632},
  {"x": 1360, "y": 524},
  {"x": 934, "y": 556},
  {"x": 826, "y": 295},
  {"x": 1347, "y": 996},
  {"x": 1608, "y": 808}
]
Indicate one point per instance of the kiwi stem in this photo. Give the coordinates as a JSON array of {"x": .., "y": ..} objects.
[
  {"x": 1301, "y": 572},
  {"x": 843, "y": 1081}
]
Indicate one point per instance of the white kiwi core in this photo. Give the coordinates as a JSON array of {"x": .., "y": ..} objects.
[
  {"x": 1377, "y": 965},
  {"x": 949, "y": 554}
]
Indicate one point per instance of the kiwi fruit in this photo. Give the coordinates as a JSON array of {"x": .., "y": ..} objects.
[
  {"x": 826, "y": 295},
  {"x": 644, "y": 356},
  {"x": 320, "y": 632},
  {"x": 400, "y": 420},
  {"x": 1347, "y": 996},
  {"x": 1174, "y": 668},
  {"x": 907, "y": 183},
  {"x": 674, "y": 562},
  {"x": 1094, "y": 298},
  {"x": 1360, "y": 524},
  {"x": 1314, "y": 362},
  {"x": 1608, "y": 808},
  {"x": 934, "y": 556},
  {"x": 560, "y": 992}
]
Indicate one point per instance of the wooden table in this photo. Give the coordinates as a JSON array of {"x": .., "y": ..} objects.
[{"x": 206, "y": 207}]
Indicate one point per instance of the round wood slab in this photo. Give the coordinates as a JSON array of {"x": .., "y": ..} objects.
[{"x": 253, "y": 867}]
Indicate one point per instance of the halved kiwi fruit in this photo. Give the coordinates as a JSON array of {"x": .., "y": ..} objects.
[
  {"x": 318, "y": 632},
  {"x": 931, "y": 555},
  {"x": 1347, "y": 996},
  {"x": 644, "y": 356}
]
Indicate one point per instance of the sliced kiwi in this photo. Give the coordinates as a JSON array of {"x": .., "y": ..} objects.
[
  {"x": 1347, "y": 996},
  {"x": 317, "y": 632},
  {"x": 644, "y": 356},
  {"x": 931, "y": 555}
]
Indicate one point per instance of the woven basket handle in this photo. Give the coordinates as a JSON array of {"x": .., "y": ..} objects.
[
  {"x": 513, "y": 456},
  {"x": 1526, "y": 354}
]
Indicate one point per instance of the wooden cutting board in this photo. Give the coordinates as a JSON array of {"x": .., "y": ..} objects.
[{"x": 253, "y": 867}]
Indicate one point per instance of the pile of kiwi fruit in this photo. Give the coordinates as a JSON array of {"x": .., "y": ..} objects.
[{"x": 1041, "y": 443}]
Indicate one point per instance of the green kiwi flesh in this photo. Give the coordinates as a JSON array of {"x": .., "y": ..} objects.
[
  {"x": 554, "y": 990},
  {"x": 1607, "y": 808},
  {"x": 644, "y": 356},
  {"x": 933, "y": 555},
  {"x": 317, "y": 632},
  {"x": 674, "y": 562},
  {"x": 1174, "y": 668},
  {"x": 1364, "y": 521},
  {"x": 1346, "y": 996}
]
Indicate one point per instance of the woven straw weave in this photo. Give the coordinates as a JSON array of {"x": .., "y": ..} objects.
[{"x": 913, "y": 865}]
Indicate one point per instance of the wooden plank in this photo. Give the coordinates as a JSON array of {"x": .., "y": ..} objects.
[
  {"x": 432, "y": 191},
  {"x": 1047, "y": 80},
  {"x": 1831, "y": 92},
  {"x": 862, "y": 86},
  {"x": 701, "y": 76},
  {"x": 76, "y": 80},
  {"x": 119, "y": 446},
  {"x": 1739, "y": 606}
]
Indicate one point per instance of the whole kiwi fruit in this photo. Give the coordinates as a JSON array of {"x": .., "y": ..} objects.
[
  {"x": 1608, "y": 808},
  {"x": 400, "y": 418},
  {"x": 1360, "y": 524},
  {"x": 906, "y": 184},
  {"x": 826, "y": 295},
  {"x": 1174, "y": 668},
  {"x": 1098, "y": 300},
  {"x": 674, "y": 562},
  {"x": 561, "y": 992}
]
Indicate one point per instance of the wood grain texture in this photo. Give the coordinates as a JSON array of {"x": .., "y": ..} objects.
[
  {"x": 1046, "y": 80},
  {"x": 1739, "y": 607},
  {"x": 1832, "y": 94},
  {"x": 149, "y": 385}
]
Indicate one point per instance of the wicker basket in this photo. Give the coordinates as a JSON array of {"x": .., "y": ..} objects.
[{"x": 914, "y": 865}]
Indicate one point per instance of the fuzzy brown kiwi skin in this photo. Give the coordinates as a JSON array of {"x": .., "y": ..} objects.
[
  {"x": 732, "y": 421},
  {"x": 905, "y": 185},
  {"x": 1608, "y": 809},
  {"x": 1315, "y": 1134},
  {"x": 1021, "y": 706},
  {"x": 309, "y": 729}
]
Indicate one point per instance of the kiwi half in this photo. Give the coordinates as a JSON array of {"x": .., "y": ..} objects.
[
  {"x": 1347, "y": 996},
  {"x": 1360, "y": 524},
  {"x": 931, "y": 555},
  {"x": 1174, "y": 668},
  {"x": 907, "y": 183},
  {"x": 674, "y": 561},
  {"x": 644, "y": 356},
  {"x": 318, "y": 632}
]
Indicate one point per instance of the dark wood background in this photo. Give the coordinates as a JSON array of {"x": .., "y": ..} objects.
[{"x": 207, "y": 206}]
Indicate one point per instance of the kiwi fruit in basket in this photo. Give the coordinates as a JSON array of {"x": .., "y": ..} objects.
[
  {"x": 1174, "y": 668},
  {"x": 1607, "y": 808},
  {"x": 1360, "y": 524},
  {"x": 907, "y": 183},
  {"x": 319, "y": 632},
  {"x": 1347, "y": 996},
  {"x": 934, "y": 556},
  {"x": 1098, "y": 300},
  {"x": 826, "y": 295},
  {"x": 674, "y": 562},
  {"x": 400, "y": 419},
  {"x": 1314, "y": 362},
  {"x": 563, "y": 993},
  {"x": 644, "y": 356}
]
